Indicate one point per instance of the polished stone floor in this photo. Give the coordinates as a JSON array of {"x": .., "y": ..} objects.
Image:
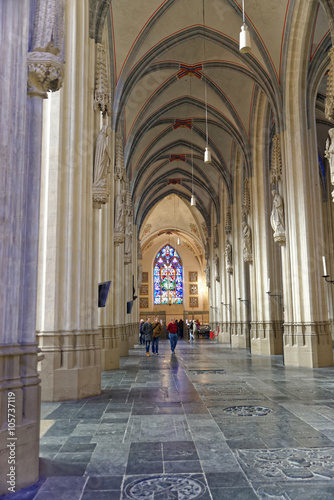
[{"x": 209, "y": 422}]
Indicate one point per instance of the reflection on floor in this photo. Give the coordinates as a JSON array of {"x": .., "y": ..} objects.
[{"x": 206, "y": 423}]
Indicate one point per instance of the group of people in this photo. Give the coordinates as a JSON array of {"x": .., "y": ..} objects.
[
  {"x": 193, "y": 327},
  {"x": 149, "y": 334}
]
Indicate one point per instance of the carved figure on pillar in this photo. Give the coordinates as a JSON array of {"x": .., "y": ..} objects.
[
  {"x": 216, "y": 237},
  {"x": 128, "y": 238},
  {"x": 207, "y": 274},
  {"x": 46, "y": 56},
  {"x": 101, "y": 168},
  {"x": 247, "y": 242},
  {"x": 228, "y": 257},
  {"x": 277, "y": 217},
  {"x": 217, "y": 277},
  {"x": 119, "y": 212},
  {"x": 329, "y": 153},
  {"x": 139, "y": 252},
  {"x": 139, "y": 274}
]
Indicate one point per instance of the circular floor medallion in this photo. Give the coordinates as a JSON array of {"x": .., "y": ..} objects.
[
  {"x": 165, "y": 488},
  {"x": 248, "y": 411}
]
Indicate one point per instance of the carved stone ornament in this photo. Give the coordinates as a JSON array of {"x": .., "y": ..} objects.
[
  {"x": 246, "y": 198},
  {"x": 228, "y": 220},
  {"x": 119, "y": 171},
  {"x": 45, "y": 73},
  {"x": 329, "y": 101},
  {"x": 46, "y": 55},
  {"x": 139, "y": 252},
  {"x": 102, "y": 96},
  {"x": 217, "y": 277},
  {"x": 118, "y": 239},
  {"x": 276, "y": 161}
]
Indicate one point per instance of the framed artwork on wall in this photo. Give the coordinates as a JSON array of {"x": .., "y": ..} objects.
[
  {"x": 143, "y": 303},
  {"x": 144, "y": 290},
  {"x": 193, "y": 277},
  {"x": 144, "y": 277},
  {"x": 193, "y": 289},
  {"x": 193, "y": 301}
]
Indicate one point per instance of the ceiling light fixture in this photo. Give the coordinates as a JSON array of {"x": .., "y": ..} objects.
[
  {"x": 244, "y": 36},
  {"x": 207, "y": 152}
]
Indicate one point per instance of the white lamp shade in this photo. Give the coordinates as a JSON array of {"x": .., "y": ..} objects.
[
  {"x": 178, "y": 241},
  {"x": 207, "y": 155},
  {"x": 244, "y": 40},
  {"x": 193, "y": 201}
]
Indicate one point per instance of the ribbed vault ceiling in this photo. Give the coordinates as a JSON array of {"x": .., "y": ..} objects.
[{"x": 150, "y": 41}]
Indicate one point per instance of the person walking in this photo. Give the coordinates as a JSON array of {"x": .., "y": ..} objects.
[
  {"x": 148, "y": 332},
  {"x": 172, "y": 328},
  {"x": 180, "y": 329},
  {"x": 141, "y": 333},
  {"x": 157, "y": 330}
]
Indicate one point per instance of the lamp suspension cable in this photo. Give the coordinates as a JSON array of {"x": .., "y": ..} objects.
[
  {"x": 244, "y": 36},
  {"x": 192, "y": 199},
  {"x": 207, "y": 152}
]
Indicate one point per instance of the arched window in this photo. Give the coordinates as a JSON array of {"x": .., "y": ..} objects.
[{"x": 167, "y": 272}]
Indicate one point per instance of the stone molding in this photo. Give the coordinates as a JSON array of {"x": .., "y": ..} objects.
[
  {"x": 102, "y": 95},
  {"x": 276, "y": 161}
]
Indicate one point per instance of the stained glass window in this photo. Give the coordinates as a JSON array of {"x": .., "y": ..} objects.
[{"x": 168, "y": 277}]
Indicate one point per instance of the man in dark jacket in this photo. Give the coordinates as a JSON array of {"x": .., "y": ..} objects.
[
  {"x": 148, "y": 332},
  {"x": 157, "y": 329},
  {"x": 172, "y": 328}
]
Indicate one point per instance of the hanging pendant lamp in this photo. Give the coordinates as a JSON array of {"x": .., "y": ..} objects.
[
  {"x": 193, "y": 201},
  {"x": 244, "y": 36}
]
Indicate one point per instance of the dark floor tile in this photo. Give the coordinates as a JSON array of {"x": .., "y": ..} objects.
[
  {"x": 101, "y": 483},
  {"x": 146, "y": 447},
  {"x": 78, "y": 447},
  {"x": 226, "y": 480},
  {"x": 233, "y": 493},
  {"x": 143, "y": 456},
  {"x": 180, "y": 467},
  {"x": 246, "y": 444},
  {"x": 62, "y": 428},
  {"x": 79, "y": 439},
  {"x": 144, "y": 468},
  {"x": 48, "y": 468}
]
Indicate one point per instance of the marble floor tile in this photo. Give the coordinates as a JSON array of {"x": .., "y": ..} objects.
[{"x": 215, "y": 422}]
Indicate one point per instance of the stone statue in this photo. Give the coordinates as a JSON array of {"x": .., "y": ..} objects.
[
  {"x": 119, "y": 212},
  {"x": 228, "y": 257},
  {"x": 128, "y": 237},
  {"x": 207, "y": 273},
  {"x": 139, "y": 252},
  {"x": 102, "y": 158},
  {"x": 217, "y": 277},
  {"x": 277, "y": 213},
  {"x": 329, "y": 152},
  {"x": 140, "y": 274},
  {"x": 247, "y": 242}
]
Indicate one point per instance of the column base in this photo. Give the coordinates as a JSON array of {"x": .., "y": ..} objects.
[
  {"x": 109, "y": 348},
  {"x": 71, "y": 365},
  {"x": 20, "y": 417},
  {"x": 308, "y": 345},
  {"x": 123, "y": 341},
  {"x": 240, "y": 334},
  {"x": 266, "y": 337},
  {"x": 224, "y": 336}
]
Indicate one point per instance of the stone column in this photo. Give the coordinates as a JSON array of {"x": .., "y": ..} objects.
[
  {"x": 267, "y": 314},
  {"x": 307, "y": 338},
  {"x": 240, "y": 310},
  {"x": 20, "y": 139},
  {"x": 68, "y": 333}
]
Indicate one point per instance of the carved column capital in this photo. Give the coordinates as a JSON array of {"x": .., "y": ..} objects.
[{"x": 45, "y": 73}]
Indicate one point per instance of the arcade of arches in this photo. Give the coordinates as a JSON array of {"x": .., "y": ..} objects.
[{"x": 107, "y": 107}]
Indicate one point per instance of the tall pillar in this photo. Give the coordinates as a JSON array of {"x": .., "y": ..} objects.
[
  {"x": 307, "y": 338},
  {"x": 267, "y": 313},
  {"x": 240, "y": 308},
  {"x": 67, "y": 330},
  {"x": 20, "y": 147}
]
